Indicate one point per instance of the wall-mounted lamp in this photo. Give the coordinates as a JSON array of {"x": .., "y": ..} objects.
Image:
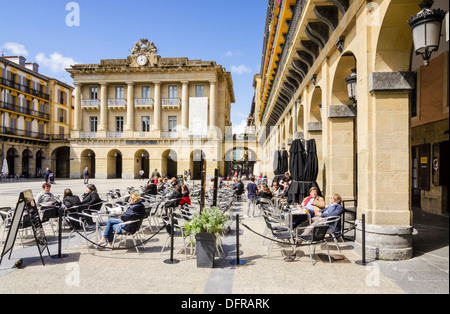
[
  {"x": 426, "y": 30},
  {"x": 351, "y": 86}
]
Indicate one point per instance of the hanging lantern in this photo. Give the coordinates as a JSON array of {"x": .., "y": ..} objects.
[
  {"x": 351, "y": 86},
  {"x": 426, "y": 30}
]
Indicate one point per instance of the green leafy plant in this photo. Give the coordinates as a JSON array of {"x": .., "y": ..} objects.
[{"x": 212, "y": 220}]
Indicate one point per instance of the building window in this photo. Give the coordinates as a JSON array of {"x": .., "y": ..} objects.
[
  {"x": 41, "y": 130},
  {"x": 145, "y": 92},
  {"x": 172, "y": 91},
  {"x": 62, "y": 97},
  {"x": 119, "y": 124},
  {"x": 172, "y": 123},
  {"x": 13, "y": 124},
  {"x": 27, "y": 128},
  {"x": 93, "y": 93},
  {"x": 199, "y": 91},
  {"x": 93, "y": 124},
  {"x": 146, "y": 124},
  {"x": 61, "y": 115},
  {"x": 119, "y": 92}
]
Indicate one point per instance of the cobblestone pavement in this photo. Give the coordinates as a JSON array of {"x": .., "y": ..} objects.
[{"x": 94, "y": 271}]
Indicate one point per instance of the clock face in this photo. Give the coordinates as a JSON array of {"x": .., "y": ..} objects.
[{"x": 141, "y": 60}]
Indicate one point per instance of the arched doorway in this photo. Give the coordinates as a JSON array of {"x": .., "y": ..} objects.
[
  {"x": 114, "y": 164},
  {"x": 61, "y": 162},
  {"x": 39, "y": 158},
  {"x": 242, "y": 161},
  {"x": 11, "y": 156},
  {"x": 170, "y": 163},
  {"x": 26, "y": 156},
  {"x": 88, "y": 160},
  {"x": 142, "y": 162},
  {"x": 343, "y": 138},
  {"x": 196, "y": 165}
]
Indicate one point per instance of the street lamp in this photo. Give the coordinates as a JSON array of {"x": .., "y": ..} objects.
[
  {"x": 351, "y": 86},
  {"x": 426, "y": 30}
]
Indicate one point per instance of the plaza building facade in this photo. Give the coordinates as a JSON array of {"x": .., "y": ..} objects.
[
  {"x": 146, "y": 112},
  {"x": 35, "y": 122},
  {"x": 378, "y": 147}
]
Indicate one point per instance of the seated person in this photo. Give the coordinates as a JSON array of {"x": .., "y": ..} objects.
[
  {"x": 45, "y": 198},
  {"x": 334, "y": 210},
  {"x": 90, "y": 196},
  {"x": 265, "y": 192},
  {"x": 70, "y": 200},
  {"x": 151, "y": 189},
  {"x": 238, "y": 188},
  {"x": 160, "y": 186},
  {"x": 286, "y": 186},
  {"x": 276, "y": 190},
  {"x": 313, "y": 203},
  {"x": 287, "y": 177},
  {"x": 185, "y": 199},
  {"x": 135, "y": 211}
]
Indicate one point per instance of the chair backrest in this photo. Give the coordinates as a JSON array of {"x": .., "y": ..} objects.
[
  {"x": 332, "y": 222},
  {"x": 49, "y": 212},
  {"x": 319, "y": 233}
]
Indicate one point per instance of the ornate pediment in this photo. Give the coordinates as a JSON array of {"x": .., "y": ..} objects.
[
  {"x": 144, "y": 53},
  {"x": 144, "y": 46}
]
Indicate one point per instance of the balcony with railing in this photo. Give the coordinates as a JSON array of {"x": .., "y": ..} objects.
[
  {"x": 146, "y": 103},
  {"x": 169, "y": 135},
  {"x": 90, "y": 104},
  {"x": 24, "y": 110},
  {"x": 24, "y": 88},
  {"x": 117, "y": 103},
  {"x": 24, "y": 133},
  {"x": 171, "y": 103}
]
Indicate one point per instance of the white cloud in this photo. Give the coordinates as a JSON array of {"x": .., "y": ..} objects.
[
  {"x": 240, "y": 69},
  {"x": 233, "y": 53},
  {"x": 16, "y": 49},
  {"x": 241, "y": 115},
  {"x": 240, "y": 128},
  {"x": 56, "y": 62}
]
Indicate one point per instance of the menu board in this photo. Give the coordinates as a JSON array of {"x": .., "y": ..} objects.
[{"x": 26, "y": 215}]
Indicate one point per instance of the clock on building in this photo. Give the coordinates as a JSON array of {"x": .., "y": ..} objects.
[{"x": 141, "y": 60}]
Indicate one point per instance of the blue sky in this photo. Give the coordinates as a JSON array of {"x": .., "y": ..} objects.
[{"x": 229, "y": 32}]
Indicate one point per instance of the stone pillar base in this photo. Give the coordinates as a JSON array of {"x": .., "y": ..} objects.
[{"x": 385, "y": 242}]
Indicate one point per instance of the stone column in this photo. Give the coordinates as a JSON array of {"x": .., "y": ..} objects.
[
  {"x": 130, "y": 107},
  {"x": 185, "y": 105},
  {"x": 212, "y": 104},
  {"x": 103, "y": 125},
  {"x": 158, "y": 107},
  {"x": 77, "y": 123}
]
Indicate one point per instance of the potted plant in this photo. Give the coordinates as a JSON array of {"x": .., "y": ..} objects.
[{"x": 206, "y": 227}]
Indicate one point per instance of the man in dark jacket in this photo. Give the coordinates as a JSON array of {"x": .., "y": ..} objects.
[{"x": 135, "y": 212}]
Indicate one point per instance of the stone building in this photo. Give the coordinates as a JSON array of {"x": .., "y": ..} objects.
[
  {"x": 382, "y": 146},
  {"x": 148, "y": 112},
  {"x": 35, "y": 122}
]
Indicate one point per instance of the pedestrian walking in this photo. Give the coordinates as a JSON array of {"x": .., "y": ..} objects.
[
  {"x": 86, "y": 175},
  {"x": 141, "y": 175}
]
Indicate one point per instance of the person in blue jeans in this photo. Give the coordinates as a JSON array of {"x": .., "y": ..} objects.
[
  {"x": 252, "y": 191},
  {"x": 135, "y": 211}
]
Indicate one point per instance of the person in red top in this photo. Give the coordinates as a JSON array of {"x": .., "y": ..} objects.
[{"x": 185, "y": 199}]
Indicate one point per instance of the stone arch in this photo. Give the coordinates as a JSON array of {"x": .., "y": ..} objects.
[
  {"x": 169, "y": 163},
  {"x": 394, "y": 45},
  {"x": 61, "y": 162},
  {"x": 142, "y": 162},
  {"x": 114, "y": 164},
  {"x": 87, "y": 159}
]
